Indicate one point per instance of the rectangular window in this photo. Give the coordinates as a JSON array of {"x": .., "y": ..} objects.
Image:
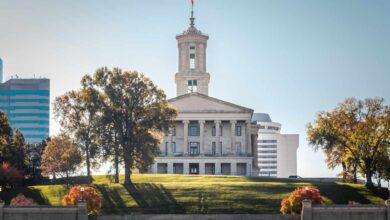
[
  {"x": 194, "y": 148},
  {"x": 193, "y": 130},
  {"x": 192, "y": 57},
  {"x": 213, "y": 131},
  {"x": 192, "y": 85},
  {"x": 267, "y": 141},
  {"x": 220, "y": 147},
  {"x": 213, "y": 148},
  {"x": 238, "y": 130},
  {"x": 174, "y": 131}
]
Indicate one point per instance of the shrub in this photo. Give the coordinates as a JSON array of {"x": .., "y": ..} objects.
[
  {"x": 293, "y": 204},
  {"x": 21, "y": 200},
  {"x": 90, "y": 195},
  {"x": 9, "y": 176}
]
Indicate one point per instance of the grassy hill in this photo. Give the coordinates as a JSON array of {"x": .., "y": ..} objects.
[{"x": 160, "y": 193}]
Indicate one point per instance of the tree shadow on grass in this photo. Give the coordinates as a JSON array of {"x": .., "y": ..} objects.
[
  {"x": 35, "y": 194},
  {"x": 153, "y": 198},
  {"x": 112, "y": 200},
  {"x": 343, "y": 193}
]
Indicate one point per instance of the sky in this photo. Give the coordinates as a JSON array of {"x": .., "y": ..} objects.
[{"x": 290, "y": 59}]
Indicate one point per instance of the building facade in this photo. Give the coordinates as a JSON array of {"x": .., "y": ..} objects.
[
  {"x": 211, "y": 136},
  {"x": 26, "y": 103},
  {"x": 276, "y": 152},
  {"x": 1, "y": 70}
]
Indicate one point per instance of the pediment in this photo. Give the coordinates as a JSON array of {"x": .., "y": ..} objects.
[{"x": 196, "y": 102}]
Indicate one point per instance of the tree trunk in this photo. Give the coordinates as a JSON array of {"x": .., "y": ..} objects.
[
  {"x": 116, "y": 161},
  {"x": 127, "y": 171},
  {"x": 368, "y": 174},
  {"x": 88, "y": 162},
  {"x": 344, "y": 172},
  {"x": 379, "y": 182},
  {"x": 355, "y": 173}
]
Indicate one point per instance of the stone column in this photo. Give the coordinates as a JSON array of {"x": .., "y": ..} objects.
[
  {"x": 217, "y": 138},
  {"x": 248, "y": 169},
  {"x": 154, "y": 167},
  {"x": 307, "y": 213},
  {"x": 202, "y": 168},
  {"x": 217, "y": 168},
  {"x": 186, "y": 168},
  {"x": 82, "y": 213},
  {"x": 233, "y": 168},
  {"x": 1, "y": 210},
  {"x": 185, "y": 142},
  {"x": 233, "y": 135},
  {"x": 170, "y": 144},
  {"x": 248, "y": 140},
  {"x": 201, "y": 138},
  {"x": 387, "y": 202},
  {"x": 170, "y": 168},
  {"x": 255, "y": 150}
]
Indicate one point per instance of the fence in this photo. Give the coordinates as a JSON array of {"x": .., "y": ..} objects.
[
  {"x": 78, "y": 212},
  {"x": 345, "y": 212}
]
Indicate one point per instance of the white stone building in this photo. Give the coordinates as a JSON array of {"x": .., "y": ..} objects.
[
  {"x": 276, "y": 152},
  {"x": 212, "y": 136}
]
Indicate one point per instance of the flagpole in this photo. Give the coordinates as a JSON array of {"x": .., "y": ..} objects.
[{"x": 192, "y": 14}]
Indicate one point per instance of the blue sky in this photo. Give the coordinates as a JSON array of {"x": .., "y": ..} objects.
[{"x": 290, "y": 59}]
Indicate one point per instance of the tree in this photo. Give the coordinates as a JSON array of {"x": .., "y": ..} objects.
[
  {"x": 34, "y": 155},
  {"x": 89, "y": 194},
  {"x": 9, "y": 176},
  {"x": 61, "y": 156},
  {"x": 12, "y": 146},
  {"x": 78, "y": 114},
  {"x": 137, "y": 111},
  {"x": 357, "y": 130},
  {"x": 293, "y": 203}
]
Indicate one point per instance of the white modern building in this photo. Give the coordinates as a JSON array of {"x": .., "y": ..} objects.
[{"x": 276, "y": 152}]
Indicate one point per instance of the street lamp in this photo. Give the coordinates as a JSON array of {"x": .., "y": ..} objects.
[
  {"x": 82, "y": 194},
  {"x": 389, "y": 191}
]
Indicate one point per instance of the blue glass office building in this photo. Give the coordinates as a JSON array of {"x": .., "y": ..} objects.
[{"x": 26, "y": 103}]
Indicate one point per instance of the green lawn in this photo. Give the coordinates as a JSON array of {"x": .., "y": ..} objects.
[{"x": 152, "y": 193}]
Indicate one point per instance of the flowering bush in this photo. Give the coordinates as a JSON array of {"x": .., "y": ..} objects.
[
  {"x": 9, "y": 176},
  {"x": 90, "y": 195},
  {"x": 293, "y": 204},
  {"x": 21, "y": 200}
]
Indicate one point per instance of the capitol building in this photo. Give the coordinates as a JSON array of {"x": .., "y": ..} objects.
[{"x": 212, "y": 136}]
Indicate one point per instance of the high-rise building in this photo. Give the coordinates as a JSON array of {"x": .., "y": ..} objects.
[
  {"x": 1, "y": 70},
  {"x": 276, "y": 152},
  {"x": 26, "y": 103}
]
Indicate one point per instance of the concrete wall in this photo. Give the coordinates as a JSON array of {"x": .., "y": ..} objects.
[
  {"x": 43, "y": 212},
  {"x": 345, "y": 212},
  {"x": 200, "y": 217}
]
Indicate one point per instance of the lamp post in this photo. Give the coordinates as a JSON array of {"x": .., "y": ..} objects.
[
  {"x": 389, "y": 191},
  {"x": 82, "y": 194}
]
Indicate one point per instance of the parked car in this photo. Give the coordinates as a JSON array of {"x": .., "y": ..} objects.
[{"x": 294, "y": 177}]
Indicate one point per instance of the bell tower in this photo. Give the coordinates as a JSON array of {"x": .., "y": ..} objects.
[{"x": 192, "y": 75}]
